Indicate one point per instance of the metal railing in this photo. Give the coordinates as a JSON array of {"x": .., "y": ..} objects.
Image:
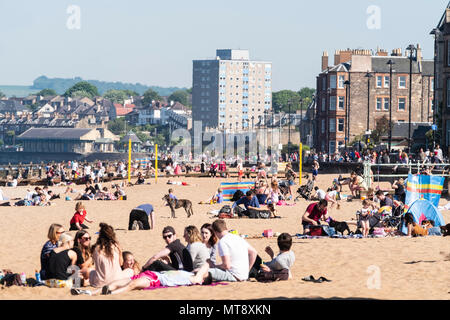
[{"x": 413, "y": 168}]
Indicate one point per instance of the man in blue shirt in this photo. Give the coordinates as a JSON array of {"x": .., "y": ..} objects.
[
  {"x": 251, "y": 204},
  {"x": 139, "y": 217}
]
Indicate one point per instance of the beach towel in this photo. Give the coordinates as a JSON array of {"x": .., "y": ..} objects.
[
  {"x": 423, "y": 187},
  {"x": 229, "y": 188}
]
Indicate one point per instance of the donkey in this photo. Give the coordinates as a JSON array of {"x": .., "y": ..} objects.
[{"x": 176, "y": 204}]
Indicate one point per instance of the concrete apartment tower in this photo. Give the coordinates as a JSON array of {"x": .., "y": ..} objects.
[{"x": 231, "y": 91}]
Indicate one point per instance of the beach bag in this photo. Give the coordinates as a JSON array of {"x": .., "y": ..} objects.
[
  {"x": 273, "y": 275},
  {"x": 316, "y": 230},
  {"x": 12, "y": 279},
  {"x": 225, "y": 212},
  {"x": 239, "y": 211},
  {"x": 264, "y": 214}
]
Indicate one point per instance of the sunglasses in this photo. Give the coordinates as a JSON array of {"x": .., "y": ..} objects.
[
  {"x": 167, "y": 236},
  {"x": 86, "y": 238},
  {"x": 60, "y": 232}
]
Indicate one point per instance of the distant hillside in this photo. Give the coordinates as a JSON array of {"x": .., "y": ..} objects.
[
  {"x": 17, "y": 91},
  {"x": 60, "y": 85}
]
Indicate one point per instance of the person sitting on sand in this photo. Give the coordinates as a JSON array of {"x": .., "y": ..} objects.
[
  {"x": 140, "y": 179},
  {"x": 357, "y": 184},
  {"x": 319, "y": 194},
  {"x": 196, "y": 247},
  {"x": 62, "y": 257},
  {"x": 237, "y": 255},
  {"x": 82, "y": 243},
  {"x": 120, "y": 192},
  {"x": 210, "y": 241},
  {"x": 54, "y": 232},
  {"x": 76, "y": 223},
  {"x": 261, "y": 192},
  {"x": 285, "y": 259},
  {"x": 415, "y": 230},
  {"x": 251, "y": 204},
  {"x": 107, "y": 257},
  {"x": 129, "y": 262},
  {"x": 262, "y": 174},
  {"x": 175, "y": 251},
  {"x": 314, "y": 213}
]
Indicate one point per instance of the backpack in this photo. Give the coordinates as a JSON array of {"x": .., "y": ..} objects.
[
  {"x": 225, "y": 212},
  {"x": 273, "y": 275}
]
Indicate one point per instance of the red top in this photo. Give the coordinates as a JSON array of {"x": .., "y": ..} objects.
[
  {"x": 314, "y": 212},
  {"x": 78, "y": 217}
]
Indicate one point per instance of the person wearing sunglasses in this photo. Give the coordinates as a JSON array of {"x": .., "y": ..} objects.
[
  {"x": 180, "y": 258},
  {"x": 54, "y": 232},
  {"x": 82, "y": 246}
]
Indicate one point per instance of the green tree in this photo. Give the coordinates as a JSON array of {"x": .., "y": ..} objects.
[
  {"x": 306, "y": 94},
  {"x": 47, "y": 92},
  {"x": 116, "y": 96},
  {"x": 117, "y": 126},
  {"x": 181, "y": 96},
  {"x": 80, "y": 94},
  {"x": 83, "y": 86},
  {"x": 151, "y": 95},
  {"x": 281, "y": 99}
]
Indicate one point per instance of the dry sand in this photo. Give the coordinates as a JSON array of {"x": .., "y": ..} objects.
[{"x": 408, "y": 268}]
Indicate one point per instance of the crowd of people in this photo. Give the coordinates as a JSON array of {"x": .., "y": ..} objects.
[{"x": 107, "y": 268}]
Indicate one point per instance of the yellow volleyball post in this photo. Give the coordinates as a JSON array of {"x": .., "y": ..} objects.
[
  {"x": 129, "y": 160},
  {"x": 300, "y": 163},
  {"x": 156, "y": 163}
]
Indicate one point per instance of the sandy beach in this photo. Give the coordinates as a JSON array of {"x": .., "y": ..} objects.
[{"x": 408, "y": 268}]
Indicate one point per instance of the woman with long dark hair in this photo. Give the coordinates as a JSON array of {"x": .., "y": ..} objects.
[{"x": 107, "y": 257}]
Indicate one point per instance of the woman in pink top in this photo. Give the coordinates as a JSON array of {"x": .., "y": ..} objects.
[{"x": 108, "y": 260}]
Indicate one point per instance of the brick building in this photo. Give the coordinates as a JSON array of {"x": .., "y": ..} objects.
[
  {"x": 341, "y": 110},
  {"x": 442, "y": 59}
]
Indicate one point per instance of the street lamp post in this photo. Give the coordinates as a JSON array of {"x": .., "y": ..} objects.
[
  {"x": 411, "y": 49},
  {"x": 368, "y": 76},
  {"x": 289, "y": 128},
  {"x": 301, "y": 121},
  {"x": 347, "y": 87},
  {"x": 436, "y": 32},
  {"x": 390, "y": 63}
]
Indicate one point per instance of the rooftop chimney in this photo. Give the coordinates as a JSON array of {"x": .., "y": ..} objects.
[{"x": 324, "y": 60}]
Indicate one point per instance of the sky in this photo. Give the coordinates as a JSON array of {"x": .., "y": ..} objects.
[{"x": 154, "y": 42}]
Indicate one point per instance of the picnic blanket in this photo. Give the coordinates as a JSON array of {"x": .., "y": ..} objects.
[{"x": 229, "y": 188}]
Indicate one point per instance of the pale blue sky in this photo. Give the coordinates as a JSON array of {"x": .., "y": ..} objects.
[{"x": 154, "y": 42}]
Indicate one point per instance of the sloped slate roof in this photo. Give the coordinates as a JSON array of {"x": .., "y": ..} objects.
[
  {"x": 402, "y": 64},
  {"x": 54, "y": 133}
]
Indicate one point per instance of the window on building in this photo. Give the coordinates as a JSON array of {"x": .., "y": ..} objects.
[
  {"x": 431, "y": 84},
  {"x": 323, "y": 104},
  {"x": 379, "y": 81},
  {"x": 341, "y": 82},
  {"x": 401, "y": 104},
  {"x": 402, "y": 82},
  {"x": 323, "y": 126},
  {"x": 332, "y": 103},
  {"x": 387, "y": 81},
  {"x": 332, "y": 147},
  {"x": 341, "y": 104},
  {"x": 324, "y": 83},
  {"x": 448, "y": 92},
  {"x": 341, "y": 124},
  {"x": 379, "y": 104},
  {"x": 332, "y": 81},
  {"x": 386, "y": 103},
  {"x": 332, "y": 125}
]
